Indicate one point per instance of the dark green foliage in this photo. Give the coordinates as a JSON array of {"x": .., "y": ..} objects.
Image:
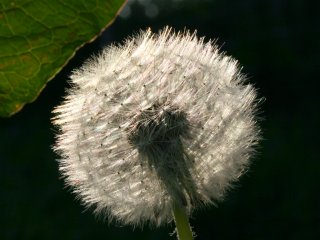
[{"x": 37, "y": 38}]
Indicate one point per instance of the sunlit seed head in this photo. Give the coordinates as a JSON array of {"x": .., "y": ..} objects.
[{"x": 164, "y": 119}]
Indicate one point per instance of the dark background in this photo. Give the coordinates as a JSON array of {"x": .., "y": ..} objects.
[{"x": 277, "y": 43}]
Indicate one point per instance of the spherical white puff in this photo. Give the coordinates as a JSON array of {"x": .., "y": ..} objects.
[{"x": 115, "y": 93}]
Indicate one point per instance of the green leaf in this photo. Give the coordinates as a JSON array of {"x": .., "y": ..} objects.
[{"x": 38, "y": 37}]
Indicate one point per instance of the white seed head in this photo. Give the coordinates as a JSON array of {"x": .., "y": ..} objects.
[{"x": 164, "y": 119}]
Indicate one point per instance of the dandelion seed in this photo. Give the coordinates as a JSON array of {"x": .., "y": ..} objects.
[{"x": 163, "y": 120}]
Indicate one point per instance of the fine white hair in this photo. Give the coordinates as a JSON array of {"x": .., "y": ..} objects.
[{"x": 164, "y": 119}]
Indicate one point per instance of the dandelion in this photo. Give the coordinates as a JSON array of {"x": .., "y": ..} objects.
[{"x": 156, "y": 128}]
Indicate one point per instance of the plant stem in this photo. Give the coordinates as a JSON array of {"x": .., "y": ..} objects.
[{"x": 181, "y": 219}]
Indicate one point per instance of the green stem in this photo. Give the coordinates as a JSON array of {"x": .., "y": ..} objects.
[{"x": 181, "y": 219}]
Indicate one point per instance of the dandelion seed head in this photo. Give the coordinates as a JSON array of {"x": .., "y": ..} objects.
[{"x": 164, "y": 119}]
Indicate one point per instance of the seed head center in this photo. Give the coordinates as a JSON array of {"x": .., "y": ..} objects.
[
  {"x": 157, "y": 133},
  {"x": 158, "y": 126}
]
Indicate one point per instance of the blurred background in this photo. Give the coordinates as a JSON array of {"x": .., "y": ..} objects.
[{"x": 277, "y": 43}]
